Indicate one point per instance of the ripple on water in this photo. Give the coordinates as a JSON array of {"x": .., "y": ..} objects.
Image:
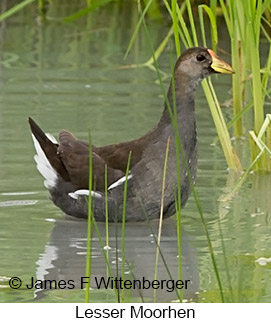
[
  {"x": 18, "y": 203},
  {"x": 17, "y": 193}
]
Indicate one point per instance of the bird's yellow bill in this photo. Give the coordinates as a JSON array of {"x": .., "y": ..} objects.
[{"x": 219, "y": 65}]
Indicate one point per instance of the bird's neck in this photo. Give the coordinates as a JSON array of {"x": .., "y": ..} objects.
[{"x": 183, "y": 99}]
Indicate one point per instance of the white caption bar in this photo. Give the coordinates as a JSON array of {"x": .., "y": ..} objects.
[{"x": 146, "y": 312}]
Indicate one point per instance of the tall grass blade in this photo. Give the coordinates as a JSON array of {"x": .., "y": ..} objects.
[
  {"x": 42, "y": 8},
  {"x": 105, "y": 253},
  {"x": 202, "y": 28},
  {"x": 267, "y": 72},
  {"x": 179, "y": 143},
  {"x": 231, "y": 157},
  {"x": 124, "y": 221},
  {"x": 212, "y": 20},
  {"x": 15, "y": 9},
  {"x": 245, "y": 20},
  {"x": 85, "y": 11},
  {"x": 154, "y": 11},
  {"x": 117, "y": 252},
  {"x": 210, "y": 246},
  {"x": 223, "y": 247},
  {"x": 159, "y": 49},
  {"x": 175, "y": 27},
  {"x": 221, "y": 127},
  {"x": 188, "y": 40},
  {"x": 108, "y": 265},
  {"x": 224, "y": 137},
  {"x": 89, "y": 224},
  {"x": 178, "y": 151},
  {"x": 161, "y": 217},
  {"x": 241, "y": 180},
  {"x": 137, "y": 28},
  {"x": 160, "y": 250},
  {"x": 192, "y": 23},
  {"x": 134, "y": 277},
  {"x": 106, "y": 211},
  {"x": 179, "y": 146},
  {"x": 173, "y": 116}
]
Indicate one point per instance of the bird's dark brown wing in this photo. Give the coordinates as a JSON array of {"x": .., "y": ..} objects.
[
  {"x": 75, "y": 156},
  {"x": 116, "y": 156}
]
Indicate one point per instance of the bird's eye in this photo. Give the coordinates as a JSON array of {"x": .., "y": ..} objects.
[{"x": 200, "y": 57}]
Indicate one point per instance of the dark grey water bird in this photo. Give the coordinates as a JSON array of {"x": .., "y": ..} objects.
[{"x": 65, "y": 164}]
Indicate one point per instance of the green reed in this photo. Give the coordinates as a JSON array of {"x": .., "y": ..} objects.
[
  {"x": 209, "y": 92},
  {"x": 15, "y": 9},
  {"x": 178, "y": 294},
  {"x": 225, "y": 260},
  {"x": 106, "y": 205},
  {"x": 92, "y": 222},
  {"x": 105, "y": 253},
  {"x": 245, "y": 22},
  {"x": 154, "y": 9},
  {"x": 106, "y": 213},
  {"x": 161, "y": 217},
  {"x": 124, "y": 222},
  {"x": 91, "y": 6},
  {"x": 43, "y": 8},
  {"x": 89, "y": 223},
  {"x": 180, "y": 152},
  {"x": 117, "y": 252},
  {"x": 189, "y": 40}
]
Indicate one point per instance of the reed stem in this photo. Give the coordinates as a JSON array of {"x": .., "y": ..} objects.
[{"x": 89, "y": 224}]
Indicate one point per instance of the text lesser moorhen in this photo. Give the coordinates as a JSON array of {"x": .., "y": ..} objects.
[{"x": 65, "y": 165}]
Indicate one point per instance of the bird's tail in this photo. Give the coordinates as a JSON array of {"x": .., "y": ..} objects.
[{"x": 48, "y": 162}]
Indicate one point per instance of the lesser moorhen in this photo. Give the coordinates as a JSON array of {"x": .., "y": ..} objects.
[{"x": 65, "y": 165}]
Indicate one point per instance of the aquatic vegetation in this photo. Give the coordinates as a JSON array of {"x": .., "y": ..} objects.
[
  {"x": 15, "y": 9},
  {"x": 89, "y": 225},
  {"x": 246, "y": 23}
]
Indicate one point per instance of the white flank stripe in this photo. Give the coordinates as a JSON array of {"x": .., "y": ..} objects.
[
  {"x": 75, "y": 195},
  {"x": 119, "y": 182},
  {"x": 44, "y": 166}
]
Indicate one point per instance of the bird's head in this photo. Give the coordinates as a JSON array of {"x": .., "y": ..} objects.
[{"x": 199, "y": 62}]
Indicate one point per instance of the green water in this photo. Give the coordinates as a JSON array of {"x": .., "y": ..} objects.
[{"x": 68, "y": 76}]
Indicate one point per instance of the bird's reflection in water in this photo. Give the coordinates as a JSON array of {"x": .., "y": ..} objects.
[{"x": 64, "y": 257}]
